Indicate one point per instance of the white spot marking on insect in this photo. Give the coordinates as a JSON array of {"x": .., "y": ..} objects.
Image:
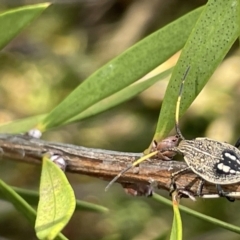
[
  {"x": 232, "y": 171},
  {"x": 220, "y": 166},
  {"x": 230, "y": 156},
  {"x": 226, "y": 168}
]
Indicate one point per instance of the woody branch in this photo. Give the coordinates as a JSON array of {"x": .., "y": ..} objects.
[{"x": 104, "y": 164}]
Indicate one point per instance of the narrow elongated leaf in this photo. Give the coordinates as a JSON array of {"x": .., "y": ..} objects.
[
  {"x": 18, "y": 202},
  {"x": 21, "y": 125},
  {"x": 124, "y": 70},
  {"x": 176, "y": 232},
  {"x": 12, "y": 22},
  {"x": 86, "y": 206},
  {"x": 121, "y": 96},
  {"x": 57, "y": 201},
  {"x": 196, "y": 214},
  {"x": 32, "y": 197},
  {"x": 212, "y": 37}
]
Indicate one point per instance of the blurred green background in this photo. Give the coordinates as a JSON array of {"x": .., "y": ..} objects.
[{"x": 52, "y": 56}]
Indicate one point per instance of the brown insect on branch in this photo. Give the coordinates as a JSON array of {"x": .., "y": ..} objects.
[{"x": 105, "y": 164}]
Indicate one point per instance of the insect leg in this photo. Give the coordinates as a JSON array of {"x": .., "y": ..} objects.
[
  {"x": 179, "y": 172},
  {"x": 200, "y": 187},
  {"x": 186, "y": 193},
  {"x": 163, "y": 157},
  {"x": 180, "y": 192},
  {"x": 224, "y": 194},
  {"x": 173, "y": 185},
  {"x": 138, "y": 189},
  {"x": 231, "y": 196},
  {"x": 237, "y": 144},
  {"x": 172, "y": 188}
]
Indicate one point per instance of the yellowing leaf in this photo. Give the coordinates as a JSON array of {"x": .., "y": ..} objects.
[{"x": 57, "y": 201}]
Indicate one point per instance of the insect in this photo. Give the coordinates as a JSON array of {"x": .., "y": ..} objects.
[{"x": 215, "y": 162}]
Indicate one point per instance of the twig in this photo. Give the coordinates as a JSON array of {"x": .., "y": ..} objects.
[{"x": 104, "y": 164}]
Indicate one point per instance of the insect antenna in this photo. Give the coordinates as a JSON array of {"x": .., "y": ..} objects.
[
  {"x": 178, "y": 105},
  {"x": 133, "y": 165}
]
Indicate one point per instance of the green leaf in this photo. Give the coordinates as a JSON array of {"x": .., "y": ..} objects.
[
  {"x": 86, "y": 206},
  {"x": 57, "y": 201},
  {"x": 124, "y": 70},
  {"x": 18, "y": 202},
  {"x": 196, "y": 214},
  {"x": 213, "y": 35},
  {"x": 176, "y": 232},
  {"x": 12, "y": 22},
  {"x": 21, "y": 125},
  {"x": 121, "y": 96},
  {"x": 32, "y": 198}
]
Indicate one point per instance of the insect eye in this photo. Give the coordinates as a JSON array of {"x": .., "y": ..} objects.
[{"x": 175, "y": 138}]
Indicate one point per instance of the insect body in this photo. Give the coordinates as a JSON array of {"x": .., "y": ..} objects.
[{"x": 214, "y": 161}]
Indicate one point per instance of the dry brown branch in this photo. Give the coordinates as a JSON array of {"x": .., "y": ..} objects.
[{"x": 104, "y": 164}]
